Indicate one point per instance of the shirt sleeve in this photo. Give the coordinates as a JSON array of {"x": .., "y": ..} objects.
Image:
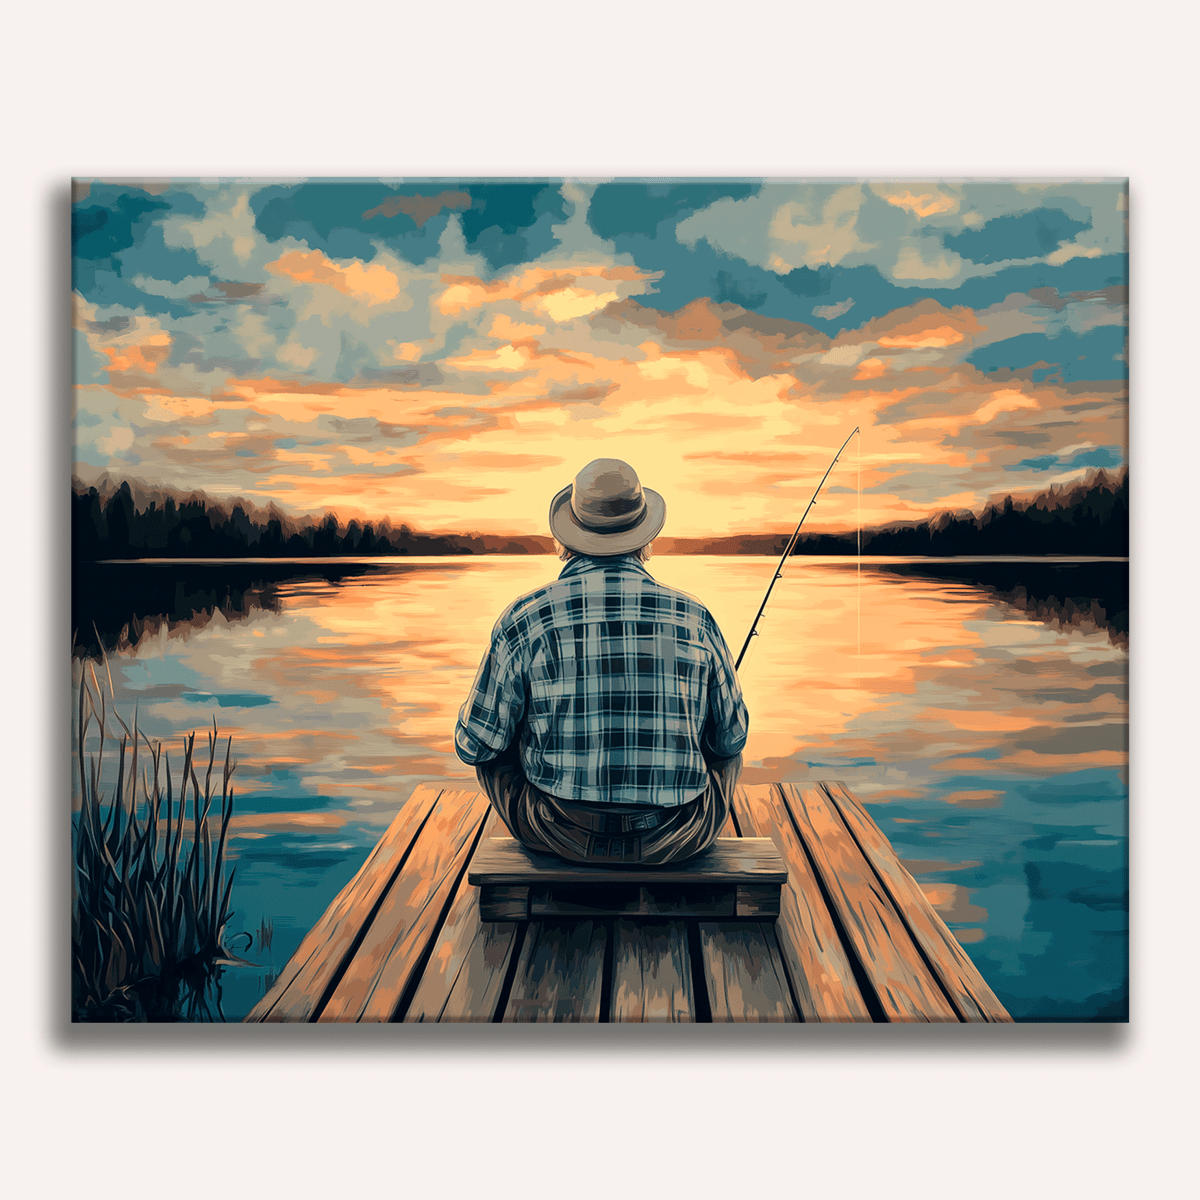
[
  {"x": 727, "y": 721},
  {"x": 495, "y": 706}
]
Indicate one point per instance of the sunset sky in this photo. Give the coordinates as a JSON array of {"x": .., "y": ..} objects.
[{"x": 449, "y": 353}]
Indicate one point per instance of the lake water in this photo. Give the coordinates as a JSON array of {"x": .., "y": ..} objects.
[{"x": 978, "y": 710}]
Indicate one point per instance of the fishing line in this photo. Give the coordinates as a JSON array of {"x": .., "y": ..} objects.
[
  {"x": 780, "y": 566},
  {"x": 858, "y": 581}
]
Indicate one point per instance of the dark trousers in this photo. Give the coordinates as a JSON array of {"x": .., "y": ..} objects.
[{"x": 608, "y": 834}]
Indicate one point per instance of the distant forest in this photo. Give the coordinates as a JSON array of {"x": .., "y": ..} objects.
[
  {"x": 120, "y": 520},
  {"x": 1086, "y": 519},
  {"x": 115, "y": 522}
]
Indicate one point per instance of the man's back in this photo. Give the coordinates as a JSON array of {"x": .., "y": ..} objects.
[
  {"x": 606, "y": 722},
  {"x": 617, "y": 687}
]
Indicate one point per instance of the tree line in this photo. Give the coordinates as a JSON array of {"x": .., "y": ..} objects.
[
  {"x": 114, "y": 526},
  {"x": 1089, "y": 519}
]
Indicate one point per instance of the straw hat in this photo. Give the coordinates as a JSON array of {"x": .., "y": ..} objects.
[{"x": 606, "y": 511}]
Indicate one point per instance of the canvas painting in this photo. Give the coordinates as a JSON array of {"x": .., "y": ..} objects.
[{"x": 599, "y": 600}]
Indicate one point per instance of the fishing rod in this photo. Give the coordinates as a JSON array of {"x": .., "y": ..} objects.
[{"x": 786, "y": 551}]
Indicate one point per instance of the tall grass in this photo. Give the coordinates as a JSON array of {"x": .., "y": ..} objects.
[
  {"x": 151, "y": 899},
  {"x": 265, "y": 935}
]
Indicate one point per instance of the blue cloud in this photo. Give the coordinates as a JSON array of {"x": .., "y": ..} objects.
[
  {"x": 510, "y": 222},
  {"x": 639, "y": 208},
  {"x": 118, "y": 234},
  {"x": 729, "y": 290},
  {"x": 1030, "y": 235},
  {"x": 329, "y": 216},
  {"x": 804, "y": 281},
  {"x": 1097, "y": 354},
  {"x": 99, "y": 232},
  {"x": 1102, "y": 456},
  {"x": 689, "y": 273},
  {"x": 504, "y": 222}
]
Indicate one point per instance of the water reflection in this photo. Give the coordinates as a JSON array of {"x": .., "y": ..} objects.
[
  {"x": 1087, "y": 594},
  {"x": 116, "y": 605},
  {"x": 990, "y": 746}
]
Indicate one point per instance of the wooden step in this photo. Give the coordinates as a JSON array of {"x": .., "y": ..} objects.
[{"x": 736, "y": 878}]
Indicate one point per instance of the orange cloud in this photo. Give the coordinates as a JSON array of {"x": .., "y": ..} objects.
[
  {"x": 372, "y": 283},
  {"x": 924, "y": 324},
  {"x": 505, "y": 328},
  {"x": 165, "y": 407},
  {"x": 939, "y": 338},
  {"x": 405, "y": 351},
  {"x": 554, "y": 292},
  {"x": 144, "y": 356},
  {"x": 925, "y": 205}
]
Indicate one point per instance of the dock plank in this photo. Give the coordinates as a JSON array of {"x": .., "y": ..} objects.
[
  {"x": 855, "y": 936},
  {"x": 465, "y": 973},
  {"x": 744, "y": 973},
  {"x": 559, "y": 971},
  {"x": 959, "y": 976},
  {"x": 818, "y": 965},
  {"x": 652, "y": 973},
  {"x": 903, "y": 984},
  {"x": 393, "y": 946},
  {"x": 317, "y": 959}
]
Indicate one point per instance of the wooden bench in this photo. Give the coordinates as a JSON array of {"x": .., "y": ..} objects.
[{"x": 736, "y": 878}]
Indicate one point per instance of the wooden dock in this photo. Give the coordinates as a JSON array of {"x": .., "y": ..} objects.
[{"x": 855, "y": 938}]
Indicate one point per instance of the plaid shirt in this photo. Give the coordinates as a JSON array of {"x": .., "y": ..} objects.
[{"x": 615, "y": 686}]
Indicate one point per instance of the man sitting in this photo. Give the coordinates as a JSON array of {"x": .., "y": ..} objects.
[{"x": 606, "y": 721}]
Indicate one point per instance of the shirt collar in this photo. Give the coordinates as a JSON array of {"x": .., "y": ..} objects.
[{"x": 612, "y": 562}]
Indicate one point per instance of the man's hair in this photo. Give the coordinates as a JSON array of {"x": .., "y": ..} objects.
[{"x": 642, "y": 555}]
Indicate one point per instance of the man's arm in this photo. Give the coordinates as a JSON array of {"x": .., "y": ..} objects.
[
  {"x": 494, "y": 708},
  {"x": 727, "y": 721}
]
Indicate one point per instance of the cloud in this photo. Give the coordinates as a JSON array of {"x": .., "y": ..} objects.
[
  {"x": 562, "y": 293},
  {"x": 937, "y": 338},
  {"x": 373, "y": 284},
  {"x": 782, "y": 227},
  {"x": 1031, "y": 234},
  {"x": 187, "y": 286},
  {"x": 228, "y": 292},
  {"x": 1070, "y": 250},
  {"x": 829, "y": 311},
  {"x": 420, "y": 208},
  {"x": 116, "y": 441},
  {"x": 233, "y": 226},
  {"x": 927, "y": 204},
  {"x": 274, "y": 342},
  {"x": 926, "y": 258}
]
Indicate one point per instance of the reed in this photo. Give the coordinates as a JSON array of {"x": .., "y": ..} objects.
[
  {"x": 265, "y": 935},
  {"x": 151, "y": 897}
]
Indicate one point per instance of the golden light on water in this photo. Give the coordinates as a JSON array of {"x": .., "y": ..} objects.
[{"x": 890, "y": 682}]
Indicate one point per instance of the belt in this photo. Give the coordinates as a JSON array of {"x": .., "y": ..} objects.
[{"x": 610, "y": 823}]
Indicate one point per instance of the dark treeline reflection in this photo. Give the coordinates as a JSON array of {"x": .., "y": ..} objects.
[
  {"x": 120, "y": 604},
  {"x": 1077, "y": 594}
]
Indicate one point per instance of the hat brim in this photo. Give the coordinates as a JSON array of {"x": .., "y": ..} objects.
[{"x": 565, "y": 526}]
